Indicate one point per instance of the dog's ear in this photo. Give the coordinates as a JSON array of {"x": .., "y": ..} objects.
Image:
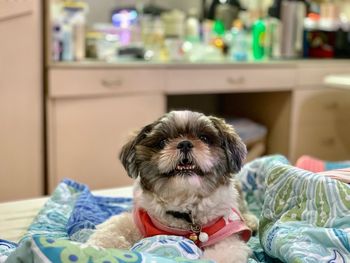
[
  {"x": 128, "y": 153},
  {"x": 234, "y": 147}
]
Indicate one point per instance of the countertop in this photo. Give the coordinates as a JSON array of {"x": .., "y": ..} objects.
[{"x": 293, "y": 63}]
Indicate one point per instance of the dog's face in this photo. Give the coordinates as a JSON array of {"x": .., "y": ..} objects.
[{"x": 184, "y": 149}]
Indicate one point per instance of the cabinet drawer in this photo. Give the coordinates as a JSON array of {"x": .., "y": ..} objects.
[
  {"x": 88, "y": 82},
  {"x": 329, "y": 141},
  {"x": 227, "y": 80},
  {"x": 315, "y": 74},
  {"x": 319, "y": 106}
]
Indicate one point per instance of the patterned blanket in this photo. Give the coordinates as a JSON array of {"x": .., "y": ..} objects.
[
  {"x": 304, "y": 217},
  {"x": 68, "y": 218}
]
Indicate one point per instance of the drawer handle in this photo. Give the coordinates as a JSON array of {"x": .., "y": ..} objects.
[
  {"x": 332, "y": 106},
  {"x": 112, "y": 83},
  {"x": 235, "y": 81},
  {"x": 328, "y": 142}
]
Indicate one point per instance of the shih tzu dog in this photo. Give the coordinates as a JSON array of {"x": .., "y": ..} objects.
[{"x": 184, "y": 165}]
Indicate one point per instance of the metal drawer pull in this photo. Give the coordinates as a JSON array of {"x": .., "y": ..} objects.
[
  {"x": 114, "y": 83},
  {"x": 328, "y": 141},
  {"x": 332, "y": 106},
  {"x": 235, "y": 81}
]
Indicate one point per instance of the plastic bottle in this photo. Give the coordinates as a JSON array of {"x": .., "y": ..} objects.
[
  {"x": 56, "y": 46},
  {"x": 67, "y": 43},
  {"x": 192, "y": 26},
  {"x": 218, "y": 34},
  {"x": 258, "y": 32},
  {"x": 239, "y": 48},
  {"x": 78, "y": 25}
]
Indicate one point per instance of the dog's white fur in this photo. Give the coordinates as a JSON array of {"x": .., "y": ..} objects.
[
  {"x": 121, "y": 232},
  {"x": 182, "y": 194}
]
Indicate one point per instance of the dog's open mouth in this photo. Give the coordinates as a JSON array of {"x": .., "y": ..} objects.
[{"x": 185, "y": 167}]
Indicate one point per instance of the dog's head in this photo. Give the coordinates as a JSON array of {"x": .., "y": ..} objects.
[{"x": 184, "y": 149}]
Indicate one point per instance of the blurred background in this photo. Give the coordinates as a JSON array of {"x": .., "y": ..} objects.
[{"x": 78, "y": 77}]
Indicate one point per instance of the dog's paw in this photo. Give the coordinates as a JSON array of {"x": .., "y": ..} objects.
[
  {"x": 218, "y": 257},
  {"x": 109, "y": 242},
  {"x": 251, "y": 221},
  {"x": 236, "y": 251}
]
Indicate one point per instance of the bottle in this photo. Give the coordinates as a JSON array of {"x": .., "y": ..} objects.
[
  {"x": 292, "y": 19},
  {"x": 56, "y": 46},
  {"x": 239, "y": 50},
  {"x": 78, "y": 26},
  {"x": 258, "y": 32},
  {"x": 67, "y": 43},
  {"x": 218, "y": 34},
  {"x": 273, "y": 31},
  {"x": 192, "y": 26}
]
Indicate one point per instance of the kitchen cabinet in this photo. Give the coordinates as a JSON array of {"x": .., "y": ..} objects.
[{"x": 21, "y": 96}]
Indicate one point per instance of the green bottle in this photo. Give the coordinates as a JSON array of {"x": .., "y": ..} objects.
[{"x": 259, "y": 29}]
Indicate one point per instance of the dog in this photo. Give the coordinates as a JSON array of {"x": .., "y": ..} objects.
[{"x": 184, "y": 165}]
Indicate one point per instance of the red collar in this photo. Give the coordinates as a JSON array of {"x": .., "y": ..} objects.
[{"x": 216, "y": 231}]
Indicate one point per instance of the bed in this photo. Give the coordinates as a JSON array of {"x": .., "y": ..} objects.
[
  {"x": 18, "y": 215},
  {"x": 304, "y": 217}
]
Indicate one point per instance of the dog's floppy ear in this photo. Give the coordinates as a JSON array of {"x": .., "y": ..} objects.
[
  {"x": 234, "y": 147},
  {"x": 128, "y": 153}
]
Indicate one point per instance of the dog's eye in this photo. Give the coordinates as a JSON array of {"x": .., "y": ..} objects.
[
  {"x": 204, "y": 139},
  {"x": 162, "y": 143}
]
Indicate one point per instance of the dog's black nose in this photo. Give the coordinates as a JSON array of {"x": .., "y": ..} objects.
[{"x": 185, "y": 146}]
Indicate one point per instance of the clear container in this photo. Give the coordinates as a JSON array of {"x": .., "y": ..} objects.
[{"x": 239, "y": 46}]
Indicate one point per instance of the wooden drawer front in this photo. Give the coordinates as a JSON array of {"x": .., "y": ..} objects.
[
  {"x": 329, "y": 141},
  {"x": 87, "y": 82},
  {"x": 319, "y": 106},
  {"x": 315, "y": 75},
  {"x": 226, "y": 80},
  {"x": 14, "y": 8}
]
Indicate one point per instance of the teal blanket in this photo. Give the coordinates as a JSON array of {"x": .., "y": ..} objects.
[{"x": 304, "y": 217}]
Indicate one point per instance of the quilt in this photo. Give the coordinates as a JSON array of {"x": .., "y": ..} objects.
[{"x": 304, "y": 217}]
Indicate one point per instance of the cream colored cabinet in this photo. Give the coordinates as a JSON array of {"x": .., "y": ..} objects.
[
  {"x": 21, "y": 147},
  {"x": 321, "y": 124},
  {"x": 320, "y": 116},
  {"x": 91, "y": 116}
]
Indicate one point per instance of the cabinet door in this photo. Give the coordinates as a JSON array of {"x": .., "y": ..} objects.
[
  {"x": 321, "y": 124},
  {"x": 86, "y": 135},
  {"x": 21, "y": 172}
]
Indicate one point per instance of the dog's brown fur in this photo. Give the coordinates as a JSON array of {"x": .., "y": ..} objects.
[{"x": 204, "y": 185}]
